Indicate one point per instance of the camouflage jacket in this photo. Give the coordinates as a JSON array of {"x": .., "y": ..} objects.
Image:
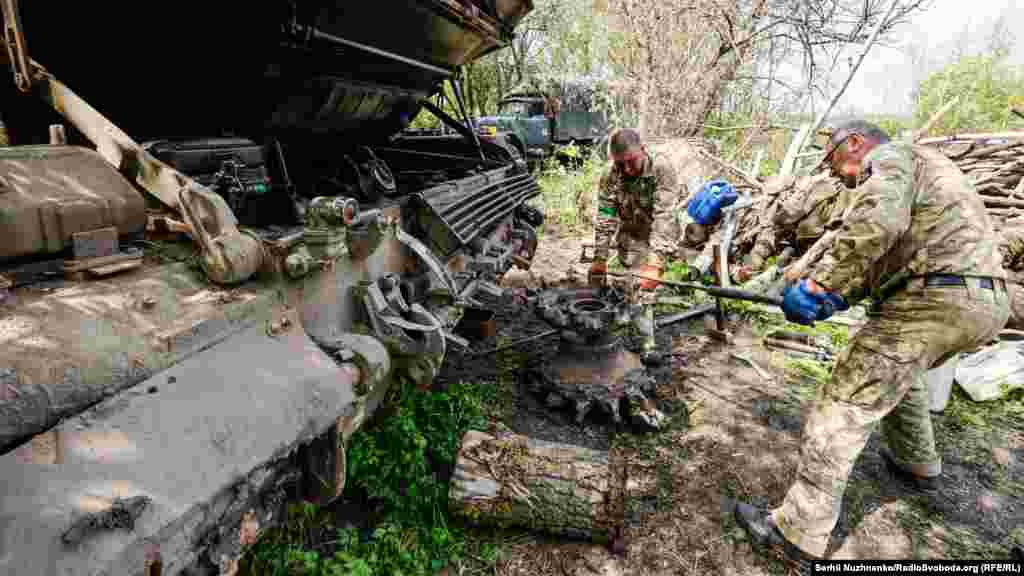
[
  {"x": 913, "y": 213},
  {"x": 642, "y": 208},
  {"x": 804, "y": 211}
]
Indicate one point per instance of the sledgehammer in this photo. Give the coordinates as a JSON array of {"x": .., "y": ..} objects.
[{"x": 718, "y": 291}]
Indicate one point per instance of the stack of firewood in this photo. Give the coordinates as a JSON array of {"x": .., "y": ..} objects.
[{"x": 995, "y": 162}]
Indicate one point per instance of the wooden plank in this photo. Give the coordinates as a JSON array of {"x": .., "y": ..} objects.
[
  {"x": 80, "y": 265},
  {"x": 110, "y": 269}
]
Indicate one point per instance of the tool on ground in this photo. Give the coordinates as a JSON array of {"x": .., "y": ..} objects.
[
  {"x": 817, "y": 353},
  {"x": 718, "y": 291},
  {"x": 798, "y": 337},
  {"x": 745, "y": 356},
  {"x": 685, "y": 314}
]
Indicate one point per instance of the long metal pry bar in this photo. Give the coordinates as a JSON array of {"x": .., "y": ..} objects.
[{"x": 229, "y": 255}]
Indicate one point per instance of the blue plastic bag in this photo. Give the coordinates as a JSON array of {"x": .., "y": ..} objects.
[{"x": 706, "y": 206}]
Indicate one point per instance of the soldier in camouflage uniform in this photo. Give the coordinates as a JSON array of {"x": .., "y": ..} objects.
[
  {"x": 1011, "y": 247},
  {"x": 635, "y": 204},
  {"x": 917, "y": 239},
  {"x": 800, "y": 211}
]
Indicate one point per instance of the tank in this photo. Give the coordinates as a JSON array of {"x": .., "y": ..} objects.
[{"x": 221, "y": 245}]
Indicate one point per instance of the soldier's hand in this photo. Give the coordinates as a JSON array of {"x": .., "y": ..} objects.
[
  {"x": 791, "y": 274},
  {"x": 649, "y": 271},
  {"x": 743, "y": 274},
  {"x": 598, "y": 274}
]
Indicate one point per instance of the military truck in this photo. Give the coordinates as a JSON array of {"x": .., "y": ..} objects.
[
  {"x": 218, "y": 249},
  {"x": 541, "y": 119}
]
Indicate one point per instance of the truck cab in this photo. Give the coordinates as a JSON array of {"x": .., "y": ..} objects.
[{"x": 540, "y": 122}]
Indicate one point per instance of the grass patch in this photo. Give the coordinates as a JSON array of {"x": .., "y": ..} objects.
[
  {"x": 916, "y": 524},
  {"x": 975, "y": 427},
  {"x": 560, "y": 187},
  {"x": 396, "y": 466},
  {"x": 958, "y": 542},
  {"x": 858, "y": 492}
]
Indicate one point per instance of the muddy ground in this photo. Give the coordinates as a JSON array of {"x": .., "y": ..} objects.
[{"x": 734, "y": 434}]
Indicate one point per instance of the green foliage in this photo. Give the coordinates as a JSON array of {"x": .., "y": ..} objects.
[
  {"x": 986, "y": 86},
  {"x": 392, "y": 463},
  {"x": 561, "y": 186}
]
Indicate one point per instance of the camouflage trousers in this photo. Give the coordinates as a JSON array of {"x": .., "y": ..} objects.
[
  {"x": 879, "y": 377},
  {"x": 633, "y": 254}
]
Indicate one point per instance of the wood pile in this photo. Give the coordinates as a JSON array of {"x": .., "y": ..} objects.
[{"x": 995, "y": 162}]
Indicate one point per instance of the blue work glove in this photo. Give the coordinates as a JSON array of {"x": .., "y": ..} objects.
[
  {"x": 829, "y": 303},
  {"x": 799, "y": 305},
  {"x": 803, "y": 307},
  {"x": 706, "y": 205}
]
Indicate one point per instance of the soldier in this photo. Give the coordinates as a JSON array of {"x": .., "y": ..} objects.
[
  {"x": 635, "y": 214},
  {"x": 1012, "y": 249},
  {"x": 917, "y": 239},
  {"x": 804, "y": 209}
]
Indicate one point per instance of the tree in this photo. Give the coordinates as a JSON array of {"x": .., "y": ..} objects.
[
  {"x": 679, "y": 58},
  {"x": 986, "y": 85}
]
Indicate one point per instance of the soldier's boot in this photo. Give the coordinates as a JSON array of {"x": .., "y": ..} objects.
[
  {"x": 761, "y": 527},
  {"x": 926, "y": 485}
]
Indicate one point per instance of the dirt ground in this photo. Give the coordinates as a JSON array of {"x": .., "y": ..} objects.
[{"x": 734, "y": 434}]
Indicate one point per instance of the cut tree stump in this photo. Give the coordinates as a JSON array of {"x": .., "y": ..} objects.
[{"x": 513, "y": 480}]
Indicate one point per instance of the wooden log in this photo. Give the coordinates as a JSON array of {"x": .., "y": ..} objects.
[
  {"x": 513, "y": 480},
  {"x": 1005, "y": 212},
  {"x": 923, "y": 130},
  {"x": 990, "y": 150},
  {"x": 996, "y": 202},
  {"x": 965, "y": 137}
]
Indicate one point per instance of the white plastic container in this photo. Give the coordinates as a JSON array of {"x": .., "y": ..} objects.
[{"x": 940, "y": 384}]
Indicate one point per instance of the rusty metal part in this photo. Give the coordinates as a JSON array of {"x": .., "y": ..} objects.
[
  {"x": 593, "y": 368},
  {"x": 588, "y": 376}
]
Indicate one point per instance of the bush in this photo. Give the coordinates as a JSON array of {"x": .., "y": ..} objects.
[
  {"x": 569, "y": 194},
  {"x": 397, "y": 465},
  {"x": 987, "y": 86}
]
